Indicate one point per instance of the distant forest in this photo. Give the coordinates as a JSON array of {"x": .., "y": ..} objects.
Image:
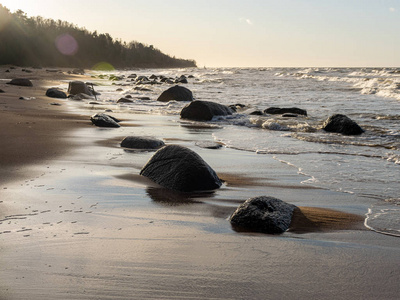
[{"x": 35, "y": 41}]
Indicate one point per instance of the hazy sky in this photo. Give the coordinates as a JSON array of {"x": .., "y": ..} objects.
[{"x": 248, "y": 33}]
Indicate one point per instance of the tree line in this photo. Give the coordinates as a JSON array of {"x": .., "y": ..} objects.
[{"x": 36, "y": 41}]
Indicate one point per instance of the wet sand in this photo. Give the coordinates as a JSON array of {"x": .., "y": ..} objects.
[{"x": 78, "y": 222}]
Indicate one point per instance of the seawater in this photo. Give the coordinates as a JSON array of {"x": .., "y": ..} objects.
[{"x": 367, "y": 165}]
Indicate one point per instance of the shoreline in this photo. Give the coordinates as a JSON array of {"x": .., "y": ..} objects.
[
  {"x": 79, "y": 223},
  {"x": 33, "y": 129}
]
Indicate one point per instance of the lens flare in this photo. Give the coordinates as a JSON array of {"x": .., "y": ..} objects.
[
  {"x": 103, "y": 66},
  {"x": 67, "y": 44}
]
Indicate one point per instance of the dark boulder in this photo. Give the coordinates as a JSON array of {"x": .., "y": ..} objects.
[
  {"x": 20, "y": 82},
  {"x": 137, "y": 142},
  {"x": 237, "y": 106},
  {"x": 1, "y": 91},
  {"x": 342, "y": 124},
  {"x": 263, "y": 214},
  {"x": 124, "y": 100},
  {"x": 78, "y": 87},
  {"x": 103, "y": 120},
  {"x": 179, "y": 168},
  {"x": 177, "y": 93},
  {"x": 142, "y": 78},
  {"x": 256, "y": 113},
  {"x": 181, "y": 79},
  {"x": 204, "y": 110},
  {"x": 281, "y": 111},
  {"x": 55, "y": 93}
]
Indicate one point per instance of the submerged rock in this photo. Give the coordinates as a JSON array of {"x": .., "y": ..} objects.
[
  {"x": 78, "y": 87},
  {"x": 103, "y": 120},
  {"x": 20, "y": 82},
  {"x": 179, "y": 168},
  {"x": 263, "y": 214},
  {"x": 80, "y": 96},
  {"x": 281, "y": 111},
  {"x": 78, "y": 71},
  {"x": 342, "y": 124},
  {"x": 256, "y": 113},
  {"x": 177, "y": 93},
  {"x": 208, "y": 145},
  {"x": 137, "y": 142},
  {"x": 290, "y": 115},
  {"x": 55, "y": 93},
  {"x": 204, "y": 110}
]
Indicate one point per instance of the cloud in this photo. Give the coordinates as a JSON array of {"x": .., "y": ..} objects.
[
  {"x": 247, "y": 21},
  {"x": 392, "y": 9}
]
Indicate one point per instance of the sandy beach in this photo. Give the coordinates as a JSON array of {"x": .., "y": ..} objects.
[{"x": 77, "y": 221}]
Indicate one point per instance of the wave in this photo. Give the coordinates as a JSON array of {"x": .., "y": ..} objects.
[
  {"x": 382, "y": 82},
  {"x": 384, "y": 217}
]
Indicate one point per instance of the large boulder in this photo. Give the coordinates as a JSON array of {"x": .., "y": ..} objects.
[
  {"x": 55, "y": 93},
  {"x": 263, "y": 214},
  {"x": 103, "y": 120},
  {"x": 342, "y": 124},
  {"x": 281, "y": 111},
  {"x": 20, "y": 82},
  {"x": 177, "y": 93},
  {"x": 138, "y": 142},
  {"x": 204, "y": 110},
  {"x": 77, "y": 87},
  {"x": 179, "y": 168}
]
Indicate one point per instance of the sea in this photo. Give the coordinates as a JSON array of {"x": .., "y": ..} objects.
[{"x": 366, "y": 165}]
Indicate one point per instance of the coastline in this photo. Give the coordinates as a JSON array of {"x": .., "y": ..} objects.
[
  {"x": 82, "y": 225},
  {"x": 33, "y": 130}
]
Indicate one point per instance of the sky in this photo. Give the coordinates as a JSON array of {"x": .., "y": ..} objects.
[{"x": 247, "y": 33}]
